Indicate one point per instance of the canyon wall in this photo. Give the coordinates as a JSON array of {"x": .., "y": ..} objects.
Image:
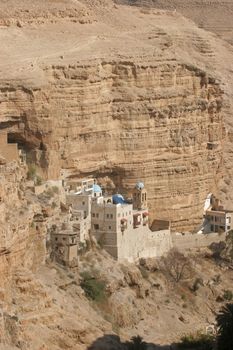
[
  {"x": 22, "y": 244},
  {"x": 125, "y": 121}
]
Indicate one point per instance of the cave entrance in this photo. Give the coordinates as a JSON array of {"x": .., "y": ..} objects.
[{"x": 20, "y": 140}]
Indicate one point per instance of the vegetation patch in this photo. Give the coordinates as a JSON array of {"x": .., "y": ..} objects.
[
  {"x": 31, "y": 174},
  {"x": 94, "y": 288},
  {"x": 198, "y": 341},
  {"x": 228, "y": 295}
]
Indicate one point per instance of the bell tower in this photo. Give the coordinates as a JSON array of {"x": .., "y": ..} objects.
[{"x": 139, "y": 197}]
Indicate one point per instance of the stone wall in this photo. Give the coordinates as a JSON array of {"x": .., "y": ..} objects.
[
  {"x": 134, "y": 244},
  {"x": 8, "y": 150},
  {"x": 143, "y": 243},
  {"x": 190, "y": 241}
]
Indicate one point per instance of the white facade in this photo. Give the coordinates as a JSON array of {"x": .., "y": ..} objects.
[
  {"x": 124, "y": 233},
  {"x": 79, "y": 197},
  {"x": 121, "y": 228}
]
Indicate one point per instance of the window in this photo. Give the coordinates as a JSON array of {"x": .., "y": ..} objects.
[
  {"x": 97, "y": 215},
  {"x": 107, "y": 216},
  {"x": 64, "y": 239},
  {"x": 56, "y": 238},
  {"x": 109, "y": 227},
  {"x": 111, "y": 215},
  {"x": 83, "y": 203},
  {"x": 96, "y": 227},
  {"x": 93, "y": 215},
  {"x": 145, "y": 196}
]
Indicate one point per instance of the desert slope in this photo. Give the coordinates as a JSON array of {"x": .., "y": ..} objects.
[{"x": 212, "y": 15}]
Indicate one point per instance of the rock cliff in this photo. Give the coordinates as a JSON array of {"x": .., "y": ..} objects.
[{"x": 119, "y": 100}]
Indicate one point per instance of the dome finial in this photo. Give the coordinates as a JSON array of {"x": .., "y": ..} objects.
[{"x": 139, "y": 185}]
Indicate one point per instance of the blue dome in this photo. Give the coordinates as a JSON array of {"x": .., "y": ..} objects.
[
  {"x": 118, "y": 199},
  {"x": 140, "y": 185},
  {"x": 96, "y": 189}
]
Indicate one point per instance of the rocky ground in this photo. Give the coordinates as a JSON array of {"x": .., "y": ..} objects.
[{"x": 50, "y": 310}]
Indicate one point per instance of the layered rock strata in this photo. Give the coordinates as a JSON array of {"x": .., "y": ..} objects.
[
  {"x": 121, "y": 100},
  {"x": 160, "y": 123}
]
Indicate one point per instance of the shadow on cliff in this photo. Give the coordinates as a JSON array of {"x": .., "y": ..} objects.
[{"x": 113, "y": 342}]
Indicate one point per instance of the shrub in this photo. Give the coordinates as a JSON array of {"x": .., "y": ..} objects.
[
  {"x": 144, "y": 272},
  {"x": 197, "y": 283},
  {"x": 176, "y": 266},
  {"x": 198, "y": 341},
  {"x": 93, "y": 287},
  {"x": 228, "y": 295},
  {"x": 31, "y": 174},
  {"x": 38, "y": 180}
]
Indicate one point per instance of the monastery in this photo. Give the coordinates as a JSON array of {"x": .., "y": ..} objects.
[{"x": 120, "y": 226}]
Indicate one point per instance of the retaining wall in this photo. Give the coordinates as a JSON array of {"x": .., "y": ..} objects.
[{"x": 190, "y": 241}]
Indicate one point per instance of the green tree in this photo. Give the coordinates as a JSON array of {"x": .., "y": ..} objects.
[{"x": 225, "y": 328}]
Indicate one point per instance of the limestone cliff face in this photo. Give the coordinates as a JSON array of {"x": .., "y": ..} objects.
[
  {"x": 124, "y": 120},
  {"x": 22, "y": 245},
  {"x": 122, "y": 97}
]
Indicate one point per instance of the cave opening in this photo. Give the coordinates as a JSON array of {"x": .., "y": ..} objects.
[{"x": 20, "y": 140}]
